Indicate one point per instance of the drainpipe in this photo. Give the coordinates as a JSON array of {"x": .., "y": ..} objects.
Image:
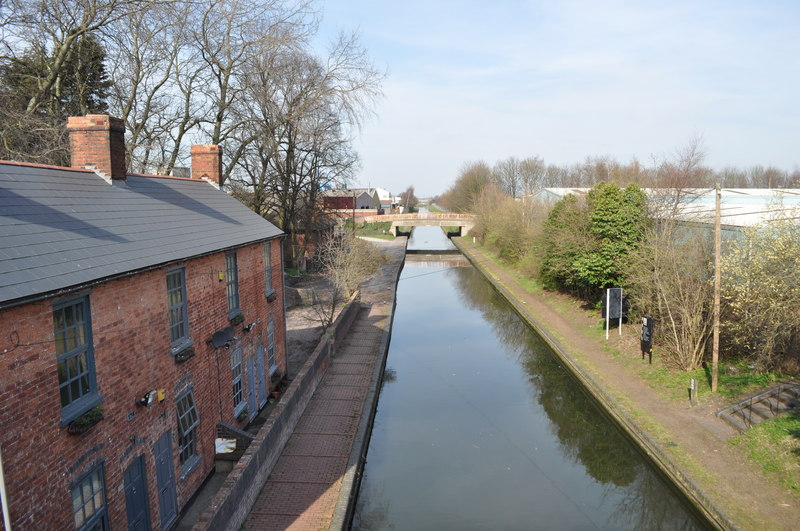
[{"x": 4, "y": 496}]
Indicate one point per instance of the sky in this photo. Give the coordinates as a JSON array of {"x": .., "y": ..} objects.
[{"x": 563, "y": 80}]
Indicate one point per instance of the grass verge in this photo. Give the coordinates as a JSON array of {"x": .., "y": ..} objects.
[
  {"x": 775, "y": 446},
  {"x": 378, "y": 229}
]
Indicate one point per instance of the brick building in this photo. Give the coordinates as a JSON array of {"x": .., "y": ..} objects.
[
  {"x": 352, "y": 199},
  {"x": 136, "y": 314}
]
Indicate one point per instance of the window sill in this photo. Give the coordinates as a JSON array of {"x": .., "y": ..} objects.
[
  {"x": 271, "y": 295},
  {"x": 77, "y": 410},
  {"x": 189, "y": 466},
  {"x": 236, "y": 317},
  {"x": 181, "y": 344},
  {"x": 184, "y": 353}
]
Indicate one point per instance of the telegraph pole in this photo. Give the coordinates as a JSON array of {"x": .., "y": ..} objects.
[{"x": 717, "y": 289}]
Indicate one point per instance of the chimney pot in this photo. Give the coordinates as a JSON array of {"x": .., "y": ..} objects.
[{"x": 98, "y": 140}]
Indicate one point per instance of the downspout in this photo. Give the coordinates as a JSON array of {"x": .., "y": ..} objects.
[{"x": 4, "y": 496}]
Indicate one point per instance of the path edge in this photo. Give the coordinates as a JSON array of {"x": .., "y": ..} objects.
[{"x": 351, "y": 481}]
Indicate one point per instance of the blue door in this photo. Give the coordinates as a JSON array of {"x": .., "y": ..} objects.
[
  {"x": 262, "y": 383},
  {"x": 136, "y": 496},
  {"x": 165, "y": 477},
  {"x": 251, "y": 388}
]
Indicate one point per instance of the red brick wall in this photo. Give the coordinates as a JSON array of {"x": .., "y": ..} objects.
[
  {"x": 100, "y": 140},
  {"x": 132, "y": 356},
  {"x": 207, "y": 162},
  {"x": 338, "y": 203}
]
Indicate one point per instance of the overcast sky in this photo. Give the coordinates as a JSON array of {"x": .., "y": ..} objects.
[{"x": 486, "y": 80}]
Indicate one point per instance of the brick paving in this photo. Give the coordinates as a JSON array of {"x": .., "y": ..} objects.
[{"x": 305, "y": 485}]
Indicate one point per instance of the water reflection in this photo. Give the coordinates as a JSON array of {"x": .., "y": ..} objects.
[
  {"x": 430, "y": 239},
  {"x": 483, "y": 429},
  {"x": 585, "y": 435}
]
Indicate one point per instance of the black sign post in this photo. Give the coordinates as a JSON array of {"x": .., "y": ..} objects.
[
  {"x": 612, "y": 307},
  {"x": 647, "y": 337}
]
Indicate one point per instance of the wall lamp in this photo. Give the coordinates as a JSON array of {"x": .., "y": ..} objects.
[{"x": 148, "y": 398}]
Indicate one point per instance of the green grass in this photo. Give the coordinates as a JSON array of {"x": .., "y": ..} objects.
[
  {"x": 432, "y": 208},
  {"x": 378, "y": 229},
  {"x": 734, "y": 380},
  {"x": 775, "y": 446}
]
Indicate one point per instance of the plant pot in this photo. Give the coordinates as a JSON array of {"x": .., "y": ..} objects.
[{"x": 86, "y": 421}]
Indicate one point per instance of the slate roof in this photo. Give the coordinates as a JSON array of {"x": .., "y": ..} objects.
[{"x": 62, "y": 228}]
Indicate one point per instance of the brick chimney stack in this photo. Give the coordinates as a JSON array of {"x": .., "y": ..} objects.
[
  {"x": 98, "y": 140},
  {"x": 207, "y": 162}
]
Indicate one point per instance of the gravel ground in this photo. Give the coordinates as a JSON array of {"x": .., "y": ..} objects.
[{"x": 303, "y": 327}]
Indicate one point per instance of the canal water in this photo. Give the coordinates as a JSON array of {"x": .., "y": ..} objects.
[{"x": 479, "y": 426}]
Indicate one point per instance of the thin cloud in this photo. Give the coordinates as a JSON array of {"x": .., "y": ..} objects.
[{"x": 564, "y": 80}]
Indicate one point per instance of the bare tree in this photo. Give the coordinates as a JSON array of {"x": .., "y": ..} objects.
[
  {"x": 507, "y": 174},
  {"x": 468, "y": 187},
  {"x": 57, "y": 27},
  {"x": 409, "y": 200},
  {"x": 533, "y": 173},
  {"x": 346, "y": 261},
  {"x": 670, "y": 279},
  {"x": 232, "y": 36},
  {"x": 301, "y": 111},
  {"x": 155, "y": 72}
]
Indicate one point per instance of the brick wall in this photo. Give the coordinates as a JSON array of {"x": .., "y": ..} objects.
[
  {"x": 132, "y": 356},
  {"x": 99, "y": 140},
  {"x": 207, "y": 162},
  {"x": 338, "y": 203}
]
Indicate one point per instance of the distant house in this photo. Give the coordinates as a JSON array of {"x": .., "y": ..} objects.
[
  {"x": 385, "y": 197},
  {"x": 363, "y": 199},
  {"x": 139, "y": 313}
]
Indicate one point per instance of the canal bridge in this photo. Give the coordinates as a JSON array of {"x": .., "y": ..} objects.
[{"x": 464, "y": 222}]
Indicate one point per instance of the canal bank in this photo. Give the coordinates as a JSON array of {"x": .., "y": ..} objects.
[{"x": 686, "y": 445}]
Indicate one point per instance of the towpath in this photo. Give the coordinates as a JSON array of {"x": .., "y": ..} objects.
[{"x": 310, "y": 485}]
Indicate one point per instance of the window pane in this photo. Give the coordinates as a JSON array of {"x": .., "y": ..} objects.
[
  {"x": 80, "y": 338},
  {"x": 60, "y": 342},
  {"x": 83, "y": 366},
  {"x": 84, "y": 385},
  {"x": 69, "y": 319},
  {"x": 69, "y": 338},
  {"x": 76, "y": 500}
]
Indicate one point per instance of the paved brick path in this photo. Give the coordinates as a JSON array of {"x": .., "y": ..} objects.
[{"x": 303, "y": 490}]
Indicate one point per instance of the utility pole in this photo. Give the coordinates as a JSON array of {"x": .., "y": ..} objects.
[{"x": 717, "y": 289}]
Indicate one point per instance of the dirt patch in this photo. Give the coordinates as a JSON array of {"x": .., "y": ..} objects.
[{"x": 692, "y": 437}]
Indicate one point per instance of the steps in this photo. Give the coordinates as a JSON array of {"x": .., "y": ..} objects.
[{"x": 776, "y": 400}]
